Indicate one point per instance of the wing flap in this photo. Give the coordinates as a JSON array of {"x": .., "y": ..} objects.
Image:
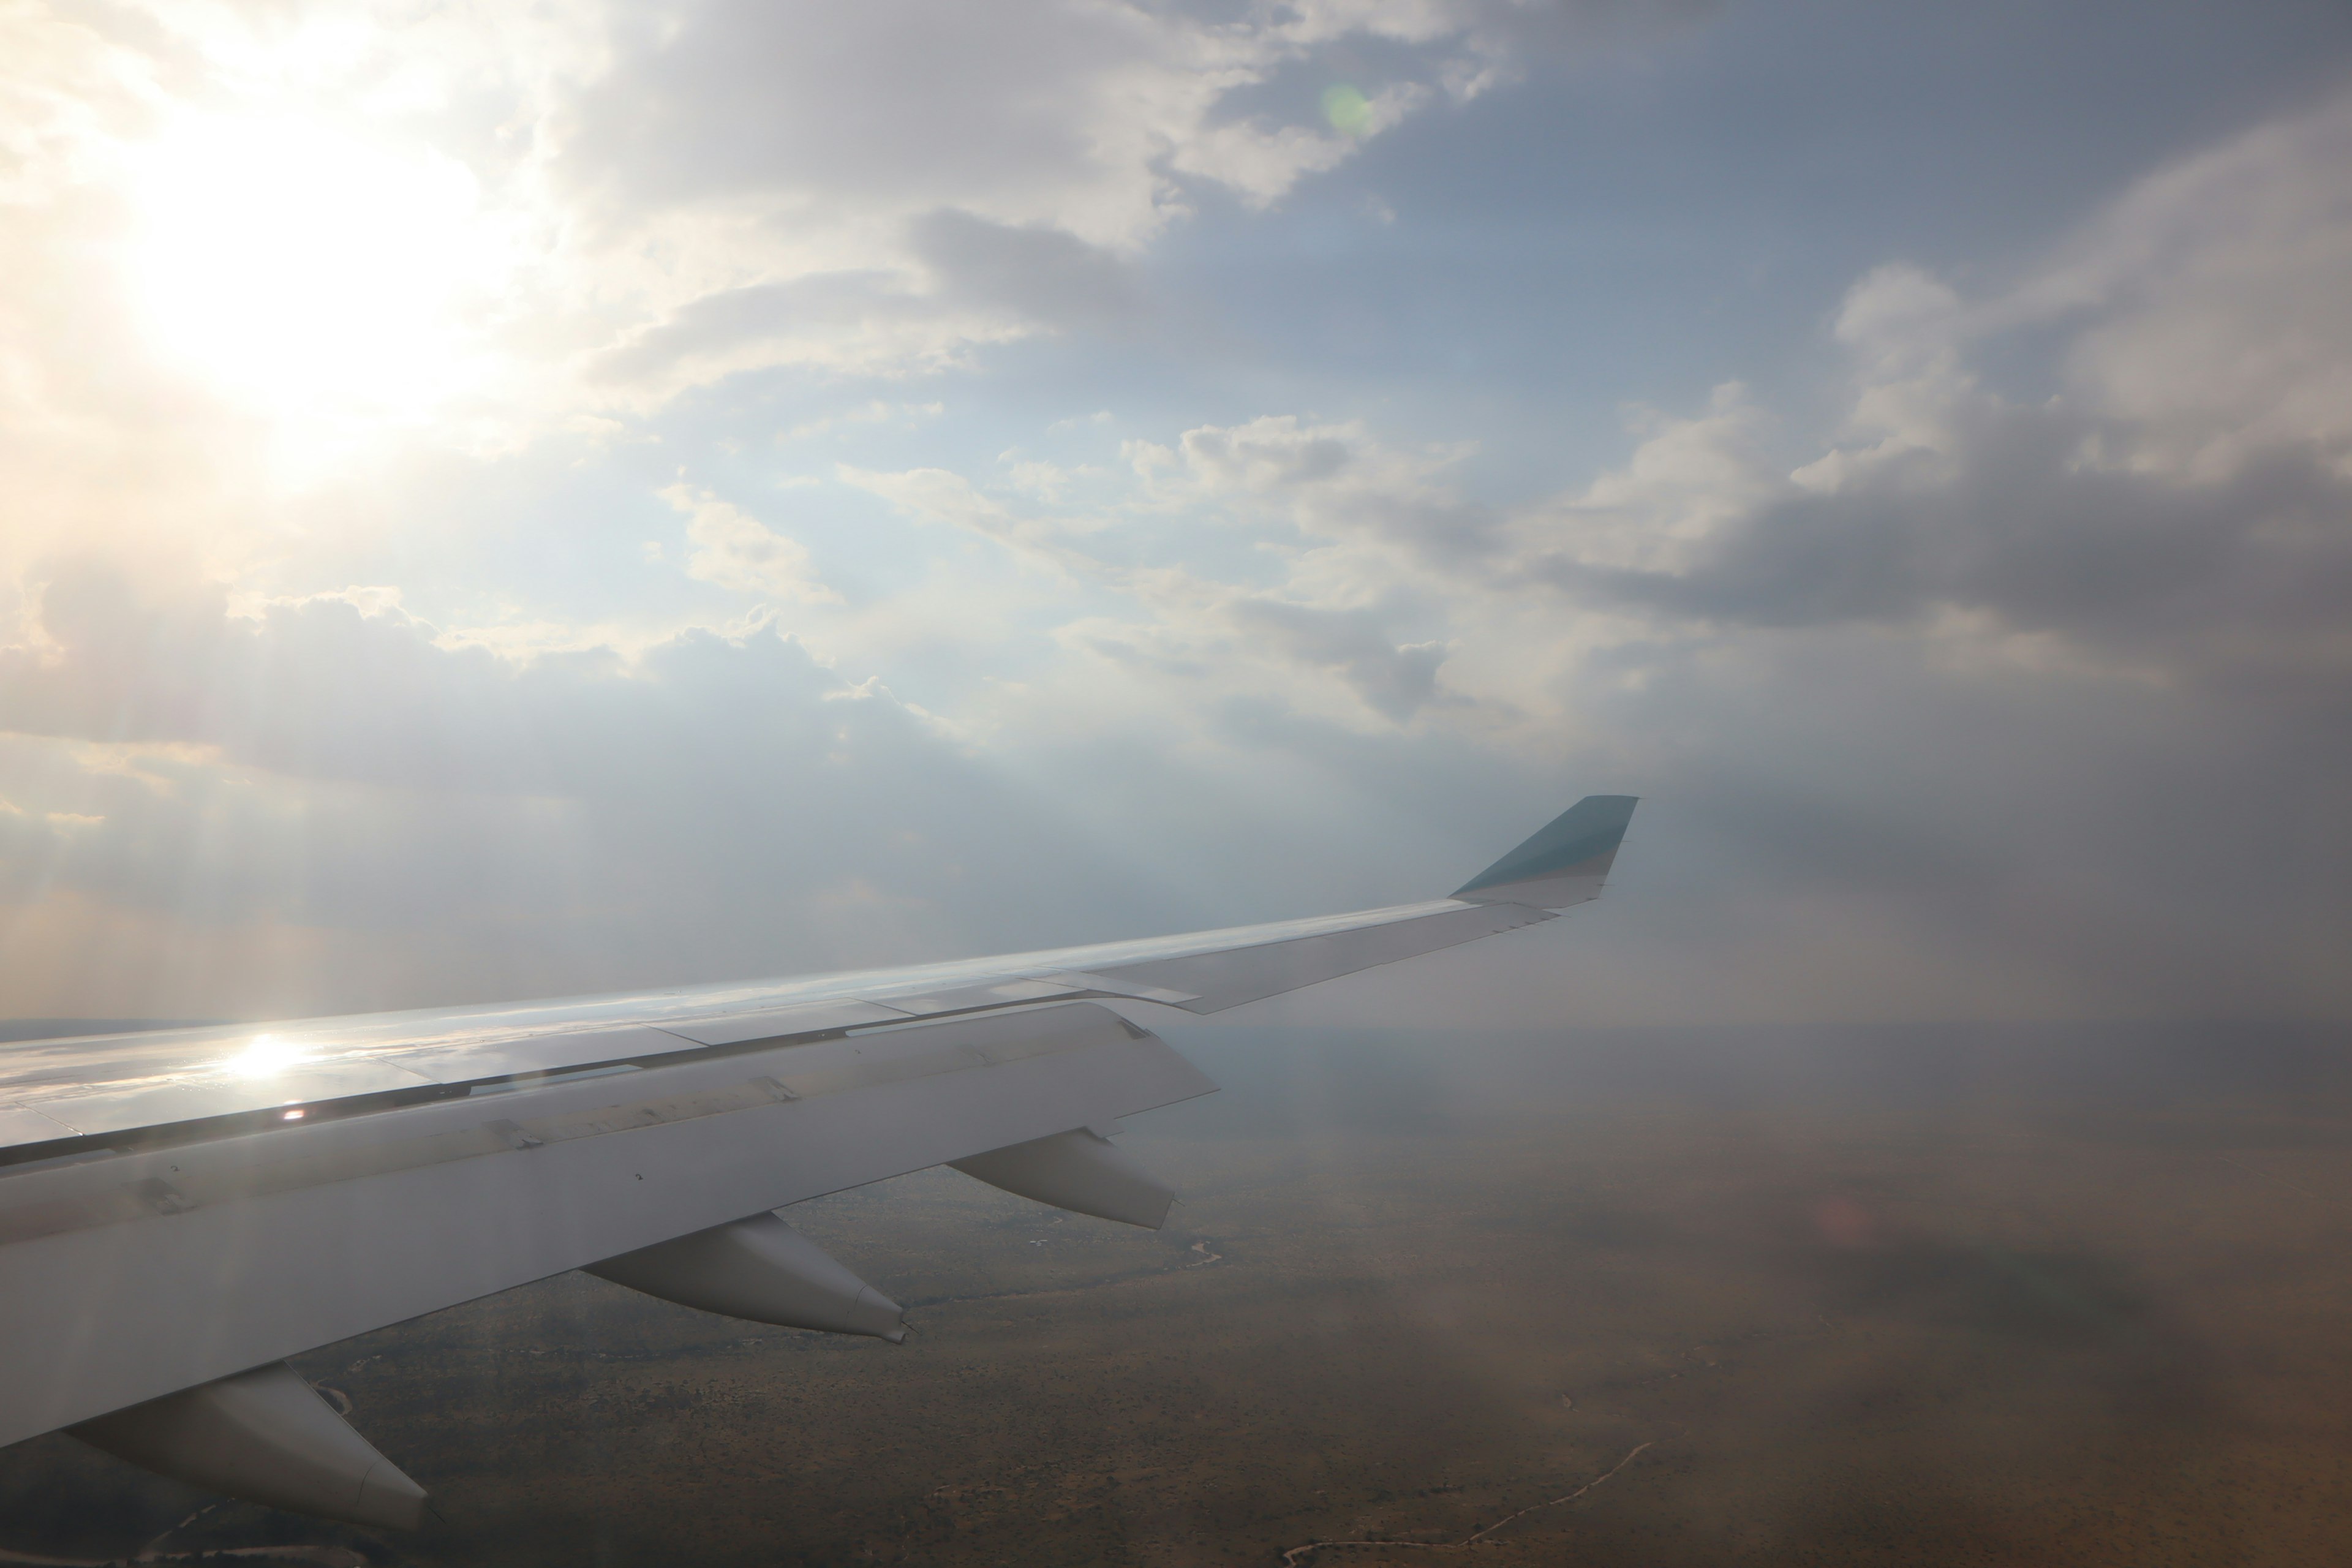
[
  {"x": 1106, "y": 986},
  {"x": 784, "y": 1023},
  {"x": 1008, "y": 992}
]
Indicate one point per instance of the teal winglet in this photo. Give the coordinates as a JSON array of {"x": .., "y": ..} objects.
[{"x": 1568, "y": 856}]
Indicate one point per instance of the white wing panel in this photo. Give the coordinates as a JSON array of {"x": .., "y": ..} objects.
[
  {"x": 128, "y": 1276},
  {"x": 474, "y": 1061},
  {"x": 19, "y": 1125},
  {"x": 1228, "y": 977},
  {"x": 157, "y": 1102}
]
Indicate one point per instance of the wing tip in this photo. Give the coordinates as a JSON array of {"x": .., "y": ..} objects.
[{"x": 1563, "y": 862}]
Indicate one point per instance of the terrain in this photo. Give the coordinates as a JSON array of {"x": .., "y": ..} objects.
[{"x": 1765, "y": 1297}]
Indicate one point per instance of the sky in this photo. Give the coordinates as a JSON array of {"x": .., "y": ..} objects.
[{"x": 508, "y": 500}]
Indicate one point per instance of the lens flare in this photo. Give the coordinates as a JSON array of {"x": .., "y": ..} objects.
[{"x": 1348, "y": 110}]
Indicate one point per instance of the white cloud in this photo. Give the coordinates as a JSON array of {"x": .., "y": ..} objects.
[
  {"x": 2218, "y": 295},
  {"x": 1261, "y": 163},
  {"x": 943, "y": 496},
  {"x": 1045, "y": 481},
  {"x": 1686, "y": 482},
  {"x": 874, "y": 411},
  {"x": 735, "y": 550}
]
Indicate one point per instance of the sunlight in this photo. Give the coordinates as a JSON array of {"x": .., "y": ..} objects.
[
  {"x": 266, "y": 1058},
  {"x": 305, "y": 270}
]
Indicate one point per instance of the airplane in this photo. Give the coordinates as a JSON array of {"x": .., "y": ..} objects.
[{"x": 181, "y": 1210}]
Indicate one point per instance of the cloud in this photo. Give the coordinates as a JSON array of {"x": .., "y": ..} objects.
[
  {"x": 1984, "y": 700},
  {"x": 2220, "y": 555},
  {"x": 2219, "y": 322},
  {"x": 808, "y": 165},
  {"x": 846, "y": 321},
  {"x": 1394, "y": 681},
  {"x": 1689, "y": 480},
  {"x": 1261, "y": 163},
  {"x": 937, "y": 495},
  {"x": 445, "y": 821},
  {"x": 874, "y": 411},
  {"x": 1328, "y": 481},
  {"x": 1995, "y": 689},
  {"x": 1034, "y": 273},
  {"x": 962, "y": 282},
  {"x": 1269, "y": 453},
  {"x": 653, "y": 198},
  {"x": 1034, "y": 537},
  {"x": 1041, "y": 111},
  {"x": 1488, "y": 42},
  {"x": 1330, "y": 623},
  {"x": 735, "y": 550}
]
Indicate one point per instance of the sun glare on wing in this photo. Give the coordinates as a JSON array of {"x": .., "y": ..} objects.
[
  {"x": 306, "y": 270},
  {"x": 265, "y": 1056}
]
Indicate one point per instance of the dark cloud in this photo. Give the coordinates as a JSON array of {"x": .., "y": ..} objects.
[
  {"x": 2243, "y": 574},
  {"x": 1393, "y": 680},
  {"x": 1036, "y": 273},
  {"x": 886, "y": 104}
]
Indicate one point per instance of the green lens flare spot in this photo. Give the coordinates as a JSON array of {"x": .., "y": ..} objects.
[{"x": 1348, "y": 110}]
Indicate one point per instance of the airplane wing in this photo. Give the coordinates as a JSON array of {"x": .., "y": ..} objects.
[{"x": 183, "y": 1209}]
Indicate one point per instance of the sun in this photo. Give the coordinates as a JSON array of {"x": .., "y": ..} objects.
[{"x": 308, "y": 271}]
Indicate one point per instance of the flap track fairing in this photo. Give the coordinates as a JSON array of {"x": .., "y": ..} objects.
[
  {"x": 761, "y": 1270},
  {"x": 265, "y": 1436},
  {"x": 1079, "y": 1170}
]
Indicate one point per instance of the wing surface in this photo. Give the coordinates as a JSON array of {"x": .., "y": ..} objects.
[{"x": 180, "y": 1205}]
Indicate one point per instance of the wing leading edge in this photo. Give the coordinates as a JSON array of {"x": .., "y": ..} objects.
[{"x": 182, "y": 1208}]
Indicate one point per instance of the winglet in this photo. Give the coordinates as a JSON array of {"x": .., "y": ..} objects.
[{"x": 1563, "y": 864}]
